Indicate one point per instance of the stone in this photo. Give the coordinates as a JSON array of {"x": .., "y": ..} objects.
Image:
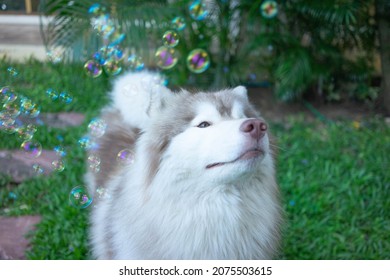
[
  {"x": 56, "y": 120},
  {"x": 13, "y": 230},
  {"x": 20, "y": 168}
]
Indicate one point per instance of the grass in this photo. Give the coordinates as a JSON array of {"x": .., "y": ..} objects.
[{"x": 335, "y": 179}]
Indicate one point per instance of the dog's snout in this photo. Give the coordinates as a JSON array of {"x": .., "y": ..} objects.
[{"x": 254, "y": 127}]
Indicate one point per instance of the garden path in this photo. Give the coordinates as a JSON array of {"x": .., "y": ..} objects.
[{"x": 15, "y": 164}]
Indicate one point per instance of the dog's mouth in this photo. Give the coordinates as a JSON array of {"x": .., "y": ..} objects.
[{"x": 249, "y": 154}]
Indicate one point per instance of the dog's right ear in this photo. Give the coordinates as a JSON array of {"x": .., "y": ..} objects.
[{"x": 241, "y": 91}]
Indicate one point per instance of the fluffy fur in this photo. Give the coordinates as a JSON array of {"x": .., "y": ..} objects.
[{"x": 192, "y": 192}]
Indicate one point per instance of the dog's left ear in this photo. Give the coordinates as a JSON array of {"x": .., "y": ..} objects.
[{"x": 241, "y": 91}]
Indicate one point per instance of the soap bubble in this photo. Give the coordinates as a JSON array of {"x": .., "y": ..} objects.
[
  {"x": 93, "y": 68},
  {"x": 26, "y": 132},
  {"x": 171, "y": 39},
  {"x": 198, "y": 61},
  {"x": 96, "y": 9},
  {"x": 166, "y": 58},
  {"x": 125, "y": 157},
  {"x": 12, "y": 71},
  {"x": 26, "y": 104},
  {"x": 55, "y": 55},
  {"x": 94, "y": 163},
  {"x": 135, "y": 63},
  {"x": 99, "y": 57},
  {"x": 12, "y": 109},
  {"x": 103, "y": 25},
  {"x": 60, "y": 138},
  {"x": 97, "y": 127},
  {"x": 198, "y": 10},
  {"x": 31, "y": 148},
  {"x": 12, "y": 195},
  {"x": 7, "y": 94},
  {"x": 29, "y": 108},
  {"x": 178, "y": 23},
  {"x": 65, "y": 97},
  {"x": 37, "y": 169},
  {"x": 117, "y": 38},
  {"x": 112, "y": 67},
  {"x": 58, "y": 165},
  {"x": 269, "y": 9},
  {"x": 7, "y": 123},
  {"x": 85, "y": 142},
  {"x": 52, "y": 94},
  {"x": 60, "y": 151},
  {"x": 79, "y": 197},
  {"x": 102, "y": 193},
  {"x": 113, "y": 53}
]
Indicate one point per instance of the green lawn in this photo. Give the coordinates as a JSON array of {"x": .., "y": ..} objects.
[{"x": 335, "y": 179}]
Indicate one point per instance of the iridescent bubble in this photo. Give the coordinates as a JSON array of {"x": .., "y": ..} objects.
[
  {"x": 166, "y": 58},
  {"x": 12, "y": 109},
  {"x": 198, "y": 10},
  {"x": 7, "y": 94},
  {"x": 55, "y": 55},
  {"x": 58, "y": 165},
  {"x": 29, "y": 108},
  {"x": 31, "y": 148},
  {"x": 102, "y": 193},
  {"x": 96, "y": 9},
  {"x": 178, "y": 23},
  {"x": 135, "y": 63},
  {"x": 198, "y": 61},
  {"x": 93, "y": 68},
  {"x": 99, "y": 57},
  {"x": 26, "y": 132},
  {"x": 12, "y": 71},
  {"x": 112, "y": 67},
  {"x": 26, "y": 104},
  {"x": 103, "y": 25},
  {"x": 7, "y": 123},
  {"x": 97, "y": 127},
  {"x": 269, "y": 9},
  {"x": 60, "y": 151},
  {"x": 34, "y": 112},
  {"x": 112, "y": 53},
  {"x": 12, "y": 195},
  {"x": 108, "y": 29},
  {"x": 171, "y": 38},
  {"x": 117, "y": 38},
  {"x": 37, "y": 169},
  {"x": 125, "y": 157},
  {"x": 94, "y": 163},
  {"x": 65, "y": 97},
  {"x": 85, "y": 142},
  {"x": 79, "y": 197},
  {"x": 52, "y": 94}
]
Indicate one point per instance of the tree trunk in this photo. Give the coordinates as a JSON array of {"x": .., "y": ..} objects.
[{"x": 382, "y": 8}]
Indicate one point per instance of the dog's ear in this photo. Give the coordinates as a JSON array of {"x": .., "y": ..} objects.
[
  {"x": 241, "y": 91},
  {"x": 159, "y": 97},
  {"x": 138, "y": 96}
]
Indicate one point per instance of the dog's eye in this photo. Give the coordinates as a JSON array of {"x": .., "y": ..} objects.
[{"x": 204, "y": 124}]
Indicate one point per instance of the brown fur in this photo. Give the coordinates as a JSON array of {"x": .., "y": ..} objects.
[{"x": 118, "y": 136}]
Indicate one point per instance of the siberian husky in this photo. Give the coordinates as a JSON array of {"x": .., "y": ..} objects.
[{"x": 202, "y": 184}]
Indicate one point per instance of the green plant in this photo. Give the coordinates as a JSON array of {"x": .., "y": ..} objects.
[{"x": 308, "y": 42}]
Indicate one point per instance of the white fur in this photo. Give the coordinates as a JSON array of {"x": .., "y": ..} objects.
[
  {"x": 133, "y": 97},
  {"x": 188, "y": 211}
]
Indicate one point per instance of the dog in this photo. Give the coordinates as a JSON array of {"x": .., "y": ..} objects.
[{"x": 202, "y": 184}]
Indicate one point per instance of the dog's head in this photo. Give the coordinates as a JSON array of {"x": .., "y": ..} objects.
[{"x": 207, "y": 136}]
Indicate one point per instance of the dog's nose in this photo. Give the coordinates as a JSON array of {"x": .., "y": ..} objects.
[{"x": 255, "y": 127}]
